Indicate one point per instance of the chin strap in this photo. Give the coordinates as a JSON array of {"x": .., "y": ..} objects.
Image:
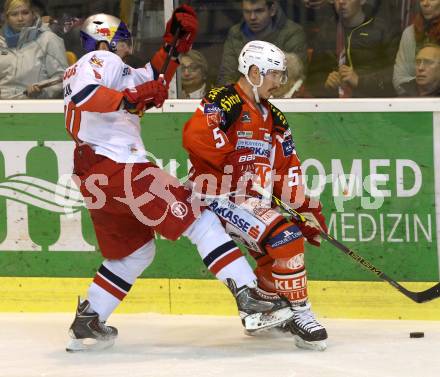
[{"x": 255, "y": 87}]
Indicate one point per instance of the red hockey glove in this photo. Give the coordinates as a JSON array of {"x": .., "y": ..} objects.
[
  {"x": 145, "y": 96},
  {"x": 311, "y": 229},
  {"x": 243, "y": 167},
  {"x": 185, "y": 18}
]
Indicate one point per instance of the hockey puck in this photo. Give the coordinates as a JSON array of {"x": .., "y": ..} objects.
[{"x": 417, "y": 334}]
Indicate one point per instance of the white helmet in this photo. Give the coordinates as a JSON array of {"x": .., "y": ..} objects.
[
  {"x": 267, "y": 57},
  {"x": 264, "y": 55},
  {"x": 103, "y": 28}
]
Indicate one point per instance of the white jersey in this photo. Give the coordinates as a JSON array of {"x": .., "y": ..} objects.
[{"x": 92, "y": 94}]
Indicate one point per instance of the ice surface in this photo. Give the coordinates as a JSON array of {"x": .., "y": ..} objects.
[{"x": 180, "y": 346}]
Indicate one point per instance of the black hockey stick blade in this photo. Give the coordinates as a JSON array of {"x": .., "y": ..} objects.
[{"x": 419, "y": 297}]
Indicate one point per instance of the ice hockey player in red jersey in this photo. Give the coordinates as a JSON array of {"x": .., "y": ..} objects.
[
  {"x": 128, "y": 197},
  {"x": 236, "y": 137}
]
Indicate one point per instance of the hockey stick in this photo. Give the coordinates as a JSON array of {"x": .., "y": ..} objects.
[
  {"x": 171, "y": 50},
  {"x": 419, "y": 297},
  {"x": 170, "y": 54},
  {"x": 41, "y": 85}
]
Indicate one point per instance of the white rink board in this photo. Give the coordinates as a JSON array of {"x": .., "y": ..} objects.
[
  {"x": 182, "y": 346},
  {"x": 330, "y": 105}
]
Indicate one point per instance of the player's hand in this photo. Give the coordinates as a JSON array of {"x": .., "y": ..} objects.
[
  {"x": 243, "y": 168},
  {"x": 333, "y": 80},
  {"x": 184, "y": 18},
  {"x": 349, "y": 76},
  {"x": 311, "y": 229},
  {"x": 145, "y": 96}
]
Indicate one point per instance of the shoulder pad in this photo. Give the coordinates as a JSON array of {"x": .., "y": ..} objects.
[
  {"x": 280, "y": 123},
  {"x": 228, "y": 100}
]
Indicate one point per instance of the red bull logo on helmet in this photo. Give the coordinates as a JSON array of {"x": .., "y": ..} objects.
[{"x": 107, "y": 32}]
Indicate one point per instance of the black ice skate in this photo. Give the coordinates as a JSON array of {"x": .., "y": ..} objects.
[
  {"x": 307, "y": 331},
  {"x": 257, "y": 312},
  {"x": 88, "y": 333}
]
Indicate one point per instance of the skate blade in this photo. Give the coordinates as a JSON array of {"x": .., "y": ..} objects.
[
  {"x": 272, "y": 332},
  {"x": 260, "y": 321},
  {"x": 88, "y": 345},
  {"x": 319, "y": 345}
]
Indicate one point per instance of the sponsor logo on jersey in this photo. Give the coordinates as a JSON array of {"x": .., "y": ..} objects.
[
  {"x": 216, "y": 119},
  {"x": 228, "y": 102},
  {"x": 214, "y": 92},
  {"x": 245, "y": 117},
  {"x": 245, "y": 134},
  {"x": 231, "y": 217},
  {"x": 258, "y": 147},
  {"x": 214, "y": 115},
  {"x": 267, "y": 215},
  {"x": 179, "y": 209},
  {"x": 126, "y": 71},
  {"x": 254, "y": 232},
  {"x": 296, "y": 262},
  {"x": 288, "y": 147},
  {"x": 297, "y": 284},
  {"x": 288, "y": 235},
  {"x": 210, "y": 108},
  {"x": 96, "y": 62}
]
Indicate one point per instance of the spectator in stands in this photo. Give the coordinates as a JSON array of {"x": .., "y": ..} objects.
[
  {"x": 263, "y": 20},
  {"x": 30, "y": 54},
  {"x": 354, "y": 56},
  {"x": 428, "y": 70},
  {"x": 425, "y": 29},
  {"x": 310, "y": 14},
  {"x": 194, "y": 75},
  {"x": 295, "y": 78},
  {"x": 68, "y": 28}
]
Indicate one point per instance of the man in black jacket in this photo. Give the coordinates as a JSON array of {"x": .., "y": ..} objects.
[{"x": 353, "y": 55}]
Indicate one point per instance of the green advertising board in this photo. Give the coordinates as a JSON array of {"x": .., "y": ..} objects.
[{"x": 374, "y": 173}]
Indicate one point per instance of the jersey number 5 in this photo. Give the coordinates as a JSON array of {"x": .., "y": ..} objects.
[
  {"x": 218, "y": 137},
  {"x": 293, "y": 176}
]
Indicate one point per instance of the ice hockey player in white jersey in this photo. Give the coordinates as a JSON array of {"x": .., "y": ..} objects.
[{"x": 129, "y": 198}]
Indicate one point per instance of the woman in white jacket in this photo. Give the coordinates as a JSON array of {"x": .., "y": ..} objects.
[{"x": 30, "y": 54}]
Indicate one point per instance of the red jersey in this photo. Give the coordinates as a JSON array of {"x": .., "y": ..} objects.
[{"x": 226, "y": 120}]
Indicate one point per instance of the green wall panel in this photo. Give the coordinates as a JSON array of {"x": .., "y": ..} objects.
[{"x": 399, "y": 236}]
